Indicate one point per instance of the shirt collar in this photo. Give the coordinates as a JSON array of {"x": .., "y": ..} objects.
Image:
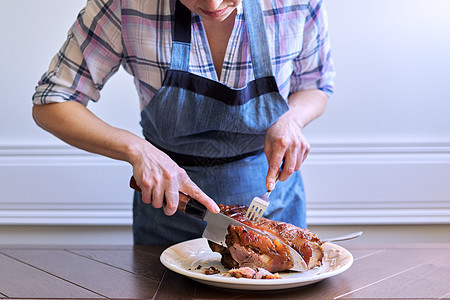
[{"x": 240, "y": 9}]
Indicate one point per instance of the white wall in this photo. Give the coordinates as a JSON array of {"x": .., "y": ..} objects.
[
  {"x": 381, "y": 152},
  {"x": 45, "y": 181}
]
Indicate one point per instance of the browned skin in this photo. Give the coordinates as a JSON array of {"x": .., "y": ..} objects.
[
  {"x": 253, "y": 250},
  {"x": 302, "y": 240}
]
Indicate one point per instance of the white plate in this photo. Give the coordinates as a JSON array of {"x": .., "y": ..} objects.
[{"x": 185, "y": 257}]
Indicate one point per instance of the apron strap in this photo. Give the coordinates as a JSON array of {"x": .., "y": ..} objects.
[
  {"x": 181, "y": 44},
  {"x": 259, "y": 48}
]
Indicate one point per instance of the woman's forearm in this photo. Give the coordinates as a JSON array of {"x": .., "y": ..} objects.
[
  {"x": 307, "y": 105},
  {"x": 73, "y": 123},
  {"x": 158, "y": 176}
]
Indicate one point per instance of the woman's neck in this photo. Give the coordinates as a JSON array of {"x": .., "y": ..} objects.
[{"x": 218, "y": 34}]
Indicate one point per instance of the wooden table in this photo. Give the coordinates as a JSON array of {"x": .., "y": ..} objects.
[{"x": 416, "y": 271}]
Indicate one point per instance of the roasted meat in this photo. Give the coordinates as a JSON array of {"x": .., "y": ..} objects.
[
  {"x": 246, "y": 248},
  {"x": 246, "y": 272}
]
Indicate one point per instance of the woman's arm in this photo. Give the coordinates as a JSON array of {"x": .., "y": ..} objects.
[
  {"x": 311, "y": 83},
  {"x": 284, "y": 139},
  {"x": 156, "y": 174}
]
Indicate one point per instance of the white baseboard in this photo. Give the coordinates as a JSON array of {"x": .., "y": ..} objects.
[
  {"x": 366, "y": 183},
  {"x": 61, "y": 185}
]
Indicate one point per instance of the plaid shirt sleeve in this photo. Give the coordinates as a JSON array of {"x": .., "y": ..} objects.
[
  {"x": 313, "y": 68},
  {"x": 91, "y": 54}
]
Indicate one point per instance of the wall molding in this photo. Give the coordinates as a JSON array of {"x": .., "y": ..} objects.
[
  {"x": 58, "y": 148},
  {"x": 346, "y": 184}
]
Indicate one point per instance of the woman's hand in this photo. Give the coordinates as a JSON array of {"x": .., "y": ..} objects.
[
  {"x": 284, "y": 142},
  {"x": 160, "y": 179}
]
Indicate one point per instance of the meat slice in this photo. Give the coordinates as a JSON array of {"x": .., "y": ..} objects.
[
  {"x": 249, "y": 249},
  {"x": 246, "y": 272},
  {"x": 264, "y": 274}
]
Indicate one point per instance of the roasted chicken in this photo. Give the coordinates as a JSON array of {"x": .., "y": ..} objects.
[{"x": 246, "y": 248}]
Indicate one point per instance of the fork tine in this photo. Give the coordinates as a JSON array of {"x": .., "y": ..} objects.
[
  {"x": 251, "y": 212},
  {"x": 257, "y": 208},
  {"x": 252, "y": 215},
  {"x": 256, "y": 213},
  {"x": 260, "y": 215}
]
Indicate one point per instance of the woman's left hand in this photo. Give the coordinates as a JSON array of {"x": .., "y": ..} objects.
[{"x": 284, "y": 142}]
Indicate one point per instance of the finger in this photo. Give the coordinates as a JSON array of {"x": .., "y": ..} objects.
[
  {"x": 290, "y": 161},
  {"x": 274, "y": 166},
  {"x": 307, "y": 149},
  {"x": 299, "y": 161},
  {"x": 146, "y": 191},
  {"x": 268, "y": 150},
  {"x": 302, "y": 155},
  {"x": 146, "y": 196},
  {"x": 190, "y": 188},
  {"x": 171, "y": 198},
  {"x": 171, "y": 204},
  {"x": 157, "y": 194}
]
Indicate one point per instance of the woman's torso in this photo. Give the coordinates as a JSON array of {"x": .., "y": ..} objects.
[{"x": 147, "y": 51}]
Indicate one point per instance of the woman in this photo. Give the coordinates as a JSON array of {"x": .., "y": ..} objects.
[{"x": 225, "y": 88}]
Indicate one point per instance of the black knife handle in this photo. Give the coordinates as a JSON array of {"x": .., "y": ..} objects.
[
  {"x": 191, "y": 207},
  {"x": 186, "y": 204}
]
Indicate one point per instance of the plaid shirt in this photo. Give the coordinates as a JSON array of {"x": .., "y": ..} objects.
[{"x": 137, "y": 34}]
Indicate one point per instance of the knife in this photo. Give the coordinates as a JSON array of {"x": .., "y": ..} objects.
[{"x": 217, "y": 224}]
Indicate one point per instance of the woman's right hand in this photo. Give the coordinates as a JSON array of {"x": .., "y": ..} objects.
[{"x": 160, "y": 179}]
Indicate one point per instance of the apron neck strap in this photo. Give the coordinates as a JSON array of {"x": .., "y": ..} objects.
[
  {"x": 181, "y": 44},
  {"x": 259, "y": 48}
]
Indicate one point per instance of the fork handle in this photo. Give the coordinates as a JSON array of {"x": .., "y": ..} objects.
[{"x": 277, "y": 178}]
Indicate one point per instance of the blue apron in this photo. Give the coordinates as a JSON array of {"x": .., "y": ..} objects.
[{"x": 216, "y": 133}]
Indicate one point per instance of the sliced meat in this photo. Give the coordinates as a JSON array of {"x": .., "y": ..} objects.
[
  {"x": 253, "y": 250},
  {"x": 264, "y": 274},
  {"x": 250, "y": 249},
  {"x": 246, "y": 272}
]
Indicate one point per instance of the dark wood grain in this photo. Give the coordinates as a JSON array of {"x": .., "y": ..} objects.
[
  {"x": 410, "y": 282},
  {"x": 19, "y": 280},
  {"x": 205, "y": 292},
  {"x": 419, "y": 271},
  {"x": 175, "y": 287},
  {"x": 144, "y": 263},
  {"x": 94, "y": 276},
  {"x": 367, "y": 270}
]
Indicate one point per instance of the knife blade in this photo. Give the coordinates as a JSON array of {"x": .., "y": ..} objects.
[{"x": 217, "y": 225}]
